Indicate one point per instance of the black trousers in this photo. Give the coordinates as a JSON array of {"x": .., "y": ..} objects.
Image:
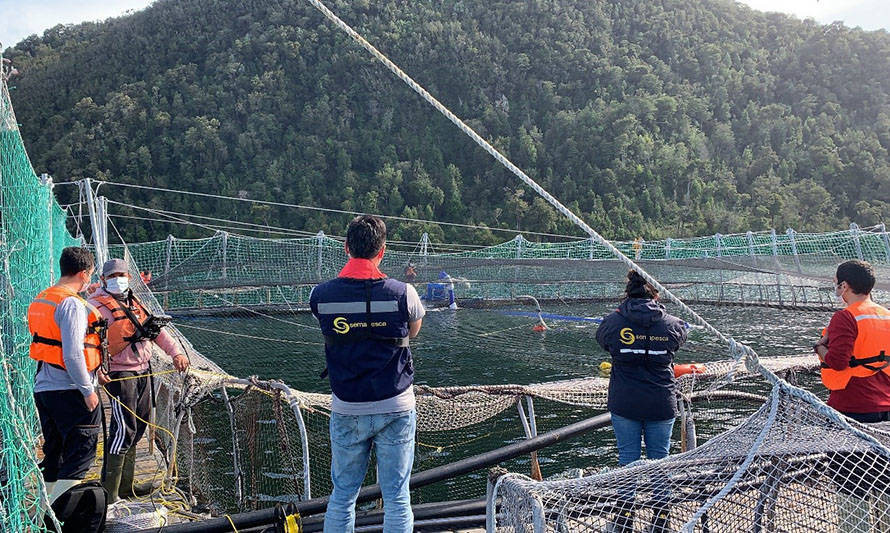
[
  {"x": 134, "y": 396},
  {"x": 70, "y": 434}
]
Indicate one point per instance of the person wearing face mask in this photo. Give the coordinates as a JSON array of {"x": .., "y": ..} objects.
[
  {"x": 854, "y": 352},
  {"x": 66, "y": 342},
  {"x": 130, "y": 344},
  {"x": 855, "y": 348}
]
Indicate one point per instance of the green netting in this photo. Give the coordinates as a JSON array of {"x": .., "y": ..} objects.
[
  {"x": 762, "y": 268},
  {"x": 33, "y": 235}
]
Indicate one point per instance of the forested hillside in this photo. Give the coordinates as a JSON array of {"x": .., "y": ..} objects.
[{"x": 647, "y": 117}]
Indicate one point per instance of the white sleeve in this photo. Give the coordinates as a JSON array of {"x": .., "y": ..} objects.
[{"x": 415, "y": 306}]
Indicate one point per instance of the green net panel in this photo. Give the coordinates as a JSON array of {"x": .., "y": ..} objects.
[{"x": 33, "y": 235}]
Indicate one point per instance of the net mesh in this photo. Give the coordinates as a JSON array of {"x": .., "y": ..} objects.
[
  {"x": 790, "y": 270},
  {"x": 32, "y": 237},
  {"x": 794, "y": 465}
]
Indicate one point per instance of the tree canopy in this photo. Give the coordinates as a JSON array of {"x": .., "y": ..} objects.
[{"x": 652, "y": 118}]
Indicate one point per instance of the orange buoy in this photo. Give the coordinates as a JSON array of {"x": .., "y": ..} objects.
[
  {"x": 539, "y": 327},
  {"x": 691, "y": 368}
]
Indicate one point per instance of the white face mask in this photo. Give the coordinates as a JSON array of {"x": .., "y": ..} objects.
[
  {"x": 117, "y": 285},
  {"x": 839, "y": 293}
]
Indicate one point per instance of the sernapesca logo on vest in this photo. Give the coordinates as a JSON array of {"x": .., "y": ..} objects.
[{"x": 342, "y": 327}]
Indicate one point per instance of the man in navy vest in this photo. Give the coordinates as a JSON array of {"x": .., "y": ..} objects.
[{"x": 367, "y": 320}]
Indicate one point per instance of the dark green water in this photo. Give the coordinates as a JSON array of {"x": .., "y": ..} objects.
[{"x": 472, "y": 346}]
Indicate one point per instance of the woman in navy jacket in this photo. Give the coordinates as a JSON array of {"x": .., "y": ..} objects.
[{"x": 641, "y": 338}]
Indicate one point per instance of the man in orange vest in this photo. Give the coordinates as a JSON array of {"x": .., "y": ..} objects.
[
  {"x": 66, "y": 343},
  {"x": 855, "y": 349},
  {"x": 856, "y": 369}
]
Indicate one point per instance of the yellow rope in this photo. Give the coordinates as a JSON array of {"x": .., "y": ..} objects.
[
  {"x": 233, "y": 524},
  {"x": 162, "y": 490}
]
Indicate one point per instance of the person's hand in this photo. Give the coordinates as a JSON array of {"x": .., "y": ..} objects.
[
  {"x": 823, "y": 341},
  {"x": 103, "y": 378},
  {"x": 92, "y": 401},
  {"x": 180, "y": 362}
]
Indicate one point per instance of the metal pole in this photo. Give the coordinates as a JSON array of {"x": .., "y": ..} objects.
[
  {"x": 854, "y": 231},
  {"x": 167, "y": 261},
  {"x": 47, "y": 182},
  {"x": 751, "y": 247},
  {"x": 424, "y": 247},
  {"x": 717, "y": 237},
  {"x": 94, "y": 221},
  {"x": 225, "y": 252},
  {"x": 320, "y": 237},
  {"x": 793, "y": 242},
  {"x": 304, "y": 438},
  {"x": 886, "y": 240},
  {"x": 667, "y": 248},
  {"x": 236, "y": 459},
  {"x": 102, "y": 211}
]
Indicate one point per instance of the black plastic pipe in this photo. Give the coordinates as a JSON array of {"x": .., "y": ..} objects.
[
  {"x": 266, "y": 517},
  {"x": 425, "y": 511}
]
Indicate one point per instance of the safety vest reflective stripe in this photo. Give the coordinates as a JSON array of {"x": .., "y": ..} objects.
[
  {"x": 872, "y": 317},
  {"x": 870, "y": 350},
  {"x": 339, "y": 308},
  {"x": 651, "y": 352}
]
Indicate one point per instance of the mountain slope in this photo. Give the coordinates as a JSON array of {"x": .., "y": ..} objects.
[{"x": 657, "y": 118}]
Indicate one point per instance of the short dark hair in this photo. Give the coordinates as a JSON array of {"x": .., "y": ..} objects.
[
  {"x": 638, "y": 287},
  {"x": 365, "y": 236},
  {"x": 75, "y": 259},
  {"x": 859, "y": 275}
]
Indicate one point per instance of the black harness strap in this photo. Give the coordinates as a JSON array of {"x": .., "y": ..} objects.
[{"x": 867, "y": 362}]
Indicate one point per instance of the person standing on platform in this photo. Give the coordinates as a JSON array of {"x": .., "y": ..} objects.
[
  {"x": 854, "y": 352},
  {"x": 642, "y": 339},
  {"x": 132, "y": 333},
  {"x": 66, "y": 341},
  {"x": 367, "y": 320}
]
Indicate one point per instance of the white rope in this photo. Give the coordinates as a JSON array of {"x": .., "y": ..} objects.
[{"x": 742, "y": 469}]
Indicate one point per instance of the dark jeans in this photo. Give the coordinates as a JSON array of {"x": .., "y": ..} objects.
[{"x": 70, "y": 434}]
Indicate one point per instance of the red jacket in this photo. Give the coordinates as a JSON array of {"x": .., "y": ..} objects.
[{"x": 861, "y": 395}]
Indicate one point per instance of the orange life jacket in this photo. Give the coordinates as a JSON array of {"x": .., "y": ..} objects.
[
  {"x": 46, "y": 337},
  {"x": 870, "y": 349},
  {"x": 122, "y": 331}
]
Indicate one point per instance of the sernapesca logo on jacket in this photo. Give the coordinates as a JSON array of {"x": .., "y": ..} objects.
[
  {"x": 341, "y": 326},
  {"x": 627, "y": 336}
]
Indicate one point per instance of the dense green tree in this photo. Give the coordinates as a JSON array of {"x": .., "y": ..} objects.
[{"x": 655, "y": 119}]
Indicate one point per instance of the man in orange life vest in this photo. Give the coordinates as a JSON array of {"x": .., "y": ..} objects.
[
  {"x": 855, "y": 348},
  {"x": 66, "y": 342},
  {"x": 132, "y": 332}
]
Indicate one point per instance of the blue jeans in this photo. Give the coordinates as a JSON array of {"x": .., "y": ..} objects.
[
  {"x": 629, "y": 433},
  {"x": 392, "y": 436}
]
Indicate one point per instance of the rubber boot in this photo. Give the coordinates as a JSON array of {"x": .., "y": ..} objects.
[
  {"x": 129, "y": 489},
  {"x": 112, "y": 481}
]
